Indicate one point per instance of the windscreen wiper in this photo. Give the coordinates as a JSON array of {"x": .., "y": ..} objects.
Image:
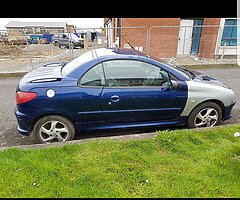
[{"x": 192, "y": 75}]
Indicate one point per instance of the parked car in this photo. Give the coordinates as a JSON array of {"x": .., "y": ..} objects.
[
  {"x": 69, "y": 40},
  {"x": 115, "y": 89}
]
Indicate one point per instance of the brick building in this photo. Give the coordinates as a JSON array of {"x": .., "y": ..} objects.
[
  {"x": 36, "y": 27},
  {"x": 171, "y": 37}
]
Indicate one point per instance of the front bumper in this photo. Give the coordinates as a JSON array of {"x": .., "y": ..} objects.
[
  {"x": 24, "y": 123},
  {"x": 79, "y": 43},
  {"x": 228, "y": 111}
]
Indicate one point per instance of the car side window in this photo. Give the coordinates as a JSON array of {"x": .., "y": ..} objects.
[
  {"x": 93, "y": 77},
  {"x": 132, "y": 73}
]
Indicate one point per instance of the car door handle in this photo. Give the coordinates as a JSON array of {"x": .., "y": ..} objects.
[{"x": 115, "y": 98}]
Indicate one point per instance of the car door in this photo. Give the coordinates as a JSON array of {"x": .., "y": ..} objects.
[
  {"x": 65, "y": 39},
  {"x": 60, "y": 39},
  {"x": 88, "y": 108},
  {"x": 137, "y": 91}
]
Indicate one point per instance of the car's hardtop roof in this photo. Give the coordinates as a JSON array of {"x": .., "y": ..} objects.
[
  {"x": 108, "y": 52},
  {"x": 94, "y": 56}
]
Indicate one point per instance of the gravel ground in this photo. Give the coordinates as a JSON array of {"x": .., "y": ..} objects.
[
  {"x": 40, "y": 54},
  {"x": 9, "y": 135}
]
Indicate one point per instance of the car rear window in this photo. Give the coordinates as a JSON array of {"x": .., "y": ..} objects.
[{"x": 77, "y": 62}]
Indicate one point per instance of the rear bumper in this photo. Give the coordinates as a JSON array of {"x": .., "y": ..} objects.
[
  {"x": 24, "y": 123},
  {"x": 228, "y": 111}
]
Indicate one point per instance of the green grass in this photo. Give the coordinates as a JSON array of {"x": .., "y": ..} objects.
[
  {"x": 213, "y": 66},
  {"x": 182, "y": 163},
  {"x": 12, "y": 75}
]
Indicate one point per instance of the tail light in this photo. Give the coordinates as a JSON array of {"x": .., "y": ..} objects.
[{"x": 23, "y": 97}]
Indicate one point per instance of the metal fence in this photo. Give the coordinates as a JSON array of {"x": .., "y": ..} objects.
[{"x": 22, "y": 50}]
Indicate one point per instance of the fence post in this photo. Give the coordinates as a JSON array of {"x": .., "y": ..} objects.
[
  {"x": 85, "y": 42},
  {"x": 29, "y": 53},
  {"x": 223, "y": 51},
  {"x": 184, "y": 40},
  {"x": 148, "y": 41},
  {"x": 238, "y": 37},
  {"x": 71, "y": 47},
  {"x": 70, "y": 52}
]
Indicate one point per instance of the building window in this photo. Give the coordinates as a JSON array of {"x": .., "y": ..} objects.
[{"x": 229, "y": 33}]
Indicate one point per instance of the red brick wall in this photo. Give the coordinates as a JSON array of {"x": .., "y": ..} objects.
[
  {"x": 209, "y": 38},
  {"x": 163, "y": 41}
]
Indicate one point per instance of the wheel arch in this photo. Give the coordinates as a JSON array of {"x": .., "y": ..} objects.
[
  {"x": 49, "y": 114},
  {"x": 56, "y": 42},
  {"x": 218, "y": 102}
]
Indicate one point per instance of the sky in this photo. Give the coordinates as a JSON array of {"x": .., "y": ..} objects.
[{"x": 79, "y": 22}]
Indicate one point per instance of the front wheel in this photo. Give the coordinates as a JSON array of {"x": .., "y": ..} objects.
[
  {"x": 71, "y": 46},
  {"x": 53, "y": 128},
  {"x": 208, "y": 114}
]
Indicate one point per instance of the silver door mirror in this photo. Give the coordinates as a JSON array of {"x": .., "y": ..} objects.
[{"x": 175, "y": 84}]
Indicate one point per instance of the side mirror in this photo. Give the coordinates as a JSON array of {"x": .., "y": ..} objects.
[{"x": 175, "y": 84}]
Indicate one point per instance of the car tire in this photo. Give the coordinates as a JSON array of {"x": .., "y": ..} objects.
[
  {"x": 53, "y": 128},
  {"x": 57, "y": 44},
  {"x": 207, "y": 114},
  {"x": 71, "y": 46}
]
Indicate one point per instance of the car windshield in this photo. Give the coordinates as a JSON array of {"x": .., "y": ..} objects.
[
  {"x": 77, "y": 62},
  {"x": 73, "y": 36},
  {"x": 186, "y": 71}
]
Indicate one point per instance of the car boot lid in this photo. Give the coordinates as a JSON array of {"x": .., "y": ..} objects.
[{"x": 49, "y": 72}]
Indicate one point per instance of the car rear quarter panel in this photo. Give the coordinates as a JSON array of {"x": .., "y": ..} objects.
[{"x": 71, "y": 102}]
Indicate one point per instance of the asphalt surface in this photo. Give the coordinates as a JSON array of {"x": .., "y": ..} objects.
[{"x": 9, "y": 135}]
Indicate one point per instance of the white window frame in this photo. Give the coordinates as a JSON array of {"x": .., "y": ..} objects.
[{"x": 229, "y": 50}]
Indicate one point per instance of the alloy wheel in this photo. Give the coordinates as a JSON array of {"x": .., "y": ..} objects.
[
  {"x": 206, "y": 117},
  {"x": 53, "y": 131}
]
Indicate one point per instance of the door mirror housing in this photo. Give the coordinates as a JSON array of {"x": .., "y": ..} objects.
[{"x": 175, "y": 84}]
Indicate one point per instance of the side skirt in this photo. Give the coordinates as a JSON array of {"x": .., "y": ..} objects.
[{"x": 106, "y": 125}]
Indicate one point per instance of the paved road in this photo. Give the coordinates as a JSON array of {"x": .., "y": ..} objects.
[{"x": 10, "y": 137}]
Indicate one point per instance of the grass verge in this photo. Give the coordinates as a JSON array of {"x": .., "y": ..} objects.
[
  {"x": 213, "y": 66},
  {"x": 12, "y": 75},
  {"x": 182, "y": 163}
]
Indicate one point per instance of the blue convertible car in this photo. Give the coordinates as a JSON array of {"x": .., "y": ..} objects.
[{"x": 116, "y": 88}]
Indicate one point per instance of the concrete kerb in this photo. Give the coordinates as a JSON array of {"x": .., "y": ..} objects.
[{"x": 122, "y": 137}]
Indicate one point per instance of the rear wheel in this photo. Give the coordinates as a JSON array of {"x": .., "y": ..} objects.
[
  {"x": 205, "y": 115},
  {"x": 53, "y": 128},
  {"x": 57, "y": 44}
]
